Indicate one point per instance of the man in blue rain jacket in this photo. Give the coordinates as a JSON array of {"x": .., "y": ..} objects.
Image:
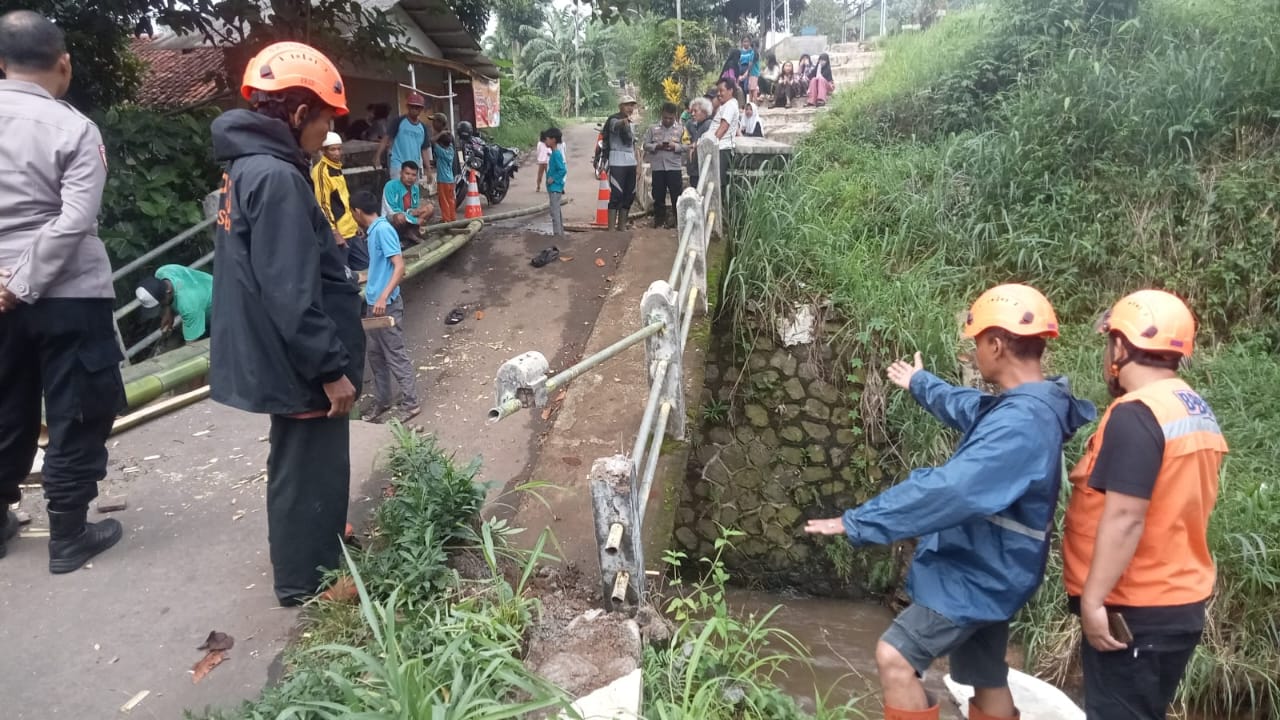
[{"x": 983, "y": 518}]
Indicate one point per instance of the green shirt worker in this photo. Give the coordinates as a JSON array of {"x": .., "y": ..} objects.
[{"x": 181, "y": 290}]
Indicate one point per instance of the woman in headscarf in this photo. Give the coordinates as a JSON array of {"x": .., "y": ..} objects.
[
  {"x": 822, "y": 83},
  {"x": 751, "y": 124}
]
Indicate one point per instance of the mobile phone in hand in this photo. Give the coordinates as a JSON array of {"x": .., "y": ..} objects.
[{"x": 1119, "y": 628}]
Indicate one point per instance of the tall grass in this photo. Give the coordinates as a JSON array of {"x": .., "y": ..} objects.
[
  {"x": 719, "y": 666},
  {"x": 1094, "y": 158}
]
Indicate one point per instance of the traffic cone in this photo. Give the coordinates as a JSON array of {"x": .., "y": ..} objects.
[
  {"x": 602, "y": 202},
  {"x": 471, "y": 208}
]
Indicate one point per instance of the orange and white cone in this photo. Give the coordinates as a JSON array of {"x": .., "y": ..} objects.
[
  {"x": 602, "y": 202},
  {"x": 471, "y": 208}
]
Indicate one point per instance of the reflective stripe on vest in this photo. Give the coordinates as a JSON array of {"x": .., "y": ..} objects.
[
  {"x": 1171, "y": 565},
  {"x": 1015, "y": 526}
]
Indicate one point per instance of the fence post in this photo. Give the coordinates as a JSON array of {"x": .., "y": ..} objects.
[
  {"x": 659, "y": 303},
  {"x": 707, "y": 147},
  {"x": 520, "y": 382},
  {"x": 689, "y": 211},
  {"x": 613, "y": 504}
]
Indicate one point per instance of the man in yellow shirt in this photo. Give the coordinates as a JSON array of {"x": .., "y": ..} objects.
[{"x": 335, "y": 201}]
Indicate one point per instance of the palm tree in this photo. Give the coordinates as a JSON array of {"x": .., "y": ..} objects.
[{"x": 565, "y": 58}]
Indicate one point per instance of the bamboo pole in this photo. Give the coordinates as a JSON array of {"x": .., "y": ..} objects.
[{"x": 152, "y": 412}]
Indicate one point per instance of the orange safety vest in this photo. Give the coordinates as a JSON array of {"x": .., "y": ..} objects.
[{"x": 1172, "y": 565}]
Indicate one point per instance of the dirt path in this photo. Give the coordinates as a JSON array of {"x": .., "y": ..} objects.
[{"x": 194, "y": 556}]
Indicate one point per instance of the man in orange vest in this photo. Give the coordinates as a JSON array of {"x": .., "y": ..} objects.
[{"x": 1135, "y": 555}]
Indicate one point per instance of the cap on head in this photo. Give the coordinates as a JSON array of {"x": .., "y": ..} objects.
[
  {"x": 1018, "y": 309},
  {"x": 440, "y": 117},
  {"x": 415, "y": 100},
  {"x": 149, "y": 294},
  {"x": 332, "y": 139},
  {"x": 627, "y": 100},
  {"x": 285, "y": 65},
  {"x": 1152, "y": 320}
]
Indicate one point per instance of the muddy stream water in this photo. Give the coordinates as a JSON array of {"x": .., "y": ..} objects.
[{"x": 841, "y": 636}]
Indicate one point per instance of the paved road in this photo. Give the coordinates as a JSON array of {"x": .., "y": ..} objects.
[{"x": 194, "y": 554}]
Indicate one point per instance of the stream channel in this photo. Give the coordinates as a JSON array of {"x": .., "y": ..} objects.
[{"x": 840, "y": 635}]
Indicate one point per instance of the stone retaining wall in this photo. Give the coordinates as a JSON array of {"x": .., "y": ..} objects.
[{"x": 778, "y": 443}]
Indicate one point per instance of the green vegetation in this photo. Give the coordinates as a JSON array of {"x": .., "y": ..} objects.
[
  {"x": 721, "y": 667},
  {"x": 1089, "y": 149},
  {"x": 651, "y": 63},
  {"x": 524, "y": 116},
  {"x": 424, "y": 641}
]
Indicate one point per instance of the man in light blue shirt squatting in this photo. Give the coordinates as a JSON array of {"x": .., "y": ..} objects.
[
  {"x": 388, "y": 356},
  {"x": 983, "y": 518},
  {"x": 404, "y": 206},
  {"x": 408, "y": 137}
]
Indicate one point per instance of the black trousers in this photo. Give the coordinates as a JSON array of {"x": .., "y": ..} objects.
[
  {"x": 726, "y": 155},
  {"x": 622, "y": 187},
  {"x": 665, "y": 182},
  {"x": 308, "y": 480},
  {"x": 1137, "y": 683},
  {"x": 64, "y": 351}
]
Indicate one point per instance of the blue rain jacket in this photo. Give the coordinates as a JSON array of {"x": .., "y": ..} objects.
[{"x": 984, "y": 518}]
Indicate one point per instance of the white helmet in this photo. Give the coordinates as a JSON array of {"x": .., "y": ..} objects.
[{"x": 332, "y": 139}]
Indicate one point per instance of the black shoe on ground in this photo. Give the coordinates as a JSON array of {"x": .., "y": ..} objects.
[
  {"x": 74, "y": 542},
  {"x": 8, "y": 530}
]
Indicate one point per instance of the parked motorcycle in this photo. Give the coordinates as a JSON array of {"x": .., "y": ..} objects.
[{"x": 495, "y": 165}]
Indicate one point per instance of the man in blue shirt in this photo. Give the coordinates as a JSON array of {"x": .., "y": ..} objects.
[
  {"x": 388, "y": 356},
  {"x": 403, "y": 204},
  {"x": 407, "y": 136},
  {"x": 983, "y": 518},
  {"x": 556, "y": 172}
]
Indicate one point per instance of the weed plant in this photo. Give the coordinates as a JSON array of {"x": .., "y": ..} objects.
[
  {"x": 423, "y": 641},
  {"x": 1089, "y": 154},
  {"x": 718, "y": 666}
]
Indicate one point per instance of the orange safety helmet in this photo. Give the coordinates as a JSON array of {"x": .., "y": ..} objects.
[
  {"x": 1019, "y": 309},
  {"x": 1152, "y": 320},
  {"x": 285, "y": 65}
]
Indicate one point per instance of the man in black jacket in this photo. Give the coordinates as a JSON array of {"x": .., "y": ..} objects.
[{"x": 286, "y": 338}]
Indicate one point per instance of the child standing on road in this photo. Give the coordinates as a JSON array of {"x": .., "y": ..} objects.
[
  {"x": 556, "y": 172},
  {"x": 388, "y": 357},
  {"x": 544, "y": 156},
  {"x": 446, "y": 160}
]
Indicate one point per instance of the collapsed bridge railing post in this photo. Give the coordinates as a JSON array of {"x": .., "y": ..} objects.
[{"x": 621, "y": 484}]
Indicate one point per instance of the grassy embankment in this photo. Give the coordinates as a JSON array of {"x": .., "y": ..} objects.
[
  {"x": 445, "y": 608},
  {"x": 1089, "y": 157}
]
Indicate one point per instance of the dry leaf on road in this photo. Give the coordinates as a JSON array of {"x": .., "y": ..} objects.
[
  {"x": 572, "y": 461},
  {"x": 479, "y": 314},
  {"x": 566, "y": 258},
  {"x": 599, "y": 262},
  {"x": 207, "y": 663}
]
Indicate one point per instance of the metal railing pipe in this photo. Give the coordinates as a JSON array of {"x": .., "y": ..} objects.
[
  {"x": 685, "y": 235},
  {"x": 688, "y": 318},
  {"x": 585, "y": 364},
  {"x": 161, "y": 249},
  {"x": 655, "y": 391},
  {"x": 651, "y": 462},
  {"x": 704, "y": 173},
  {"x": 509, "y": 407}
]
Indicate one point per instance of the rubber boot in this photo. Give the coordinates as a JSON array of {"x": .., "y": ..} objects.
[
  {"x": 976, "y": 713},
  {"x": 896, "y": 714},
  {"x": 73, "y": 542},
  {"x": 8, "y": 530},
  {"x": 613, "y": 220}
]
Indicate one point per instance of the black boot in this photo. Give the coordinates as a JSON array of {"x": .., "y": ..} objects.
[
  {"x": 659, "y": 216},
  {"x": 8, "y": 530},
  {"x": 73, "y": 542}
]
